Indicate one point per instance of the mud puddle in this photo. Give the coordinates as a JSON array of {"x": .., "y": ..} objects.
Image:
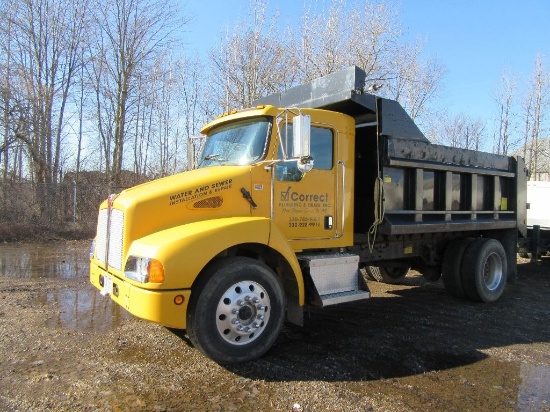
[
  {"x": 534, "y": 390},
  {"x": 61, "y": 260},
  {"x": 78, "y": 305}
]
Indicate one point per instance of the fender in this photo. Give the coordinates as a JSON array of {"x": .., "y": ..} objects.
[
  {"x": 279, "y": 242},
  {"x": 185, "y": 250}
]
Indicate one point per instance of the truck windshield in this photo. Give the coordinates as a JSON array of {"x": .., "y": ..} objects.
[{"x": 237, "y": 144}]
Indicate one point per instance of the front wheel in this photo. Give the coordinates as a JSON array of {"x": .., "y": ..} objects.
[{"x": 236, "y": 311}]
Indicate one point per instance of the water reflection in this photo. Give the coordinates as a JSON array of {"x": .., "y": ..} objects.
[
  {"x": 64, "y": 260},
  {"x": 84, "y": 310},
  {"x": 534, "y": 391},
  {"x": 79, "y": 307}
]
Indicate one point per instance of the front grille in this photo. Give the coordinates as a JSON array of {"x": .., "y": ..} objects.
[
  {"x": 101, "y": 239},
  {"x": 110, "y": 234},
  {"x": 116, "y": 234}
]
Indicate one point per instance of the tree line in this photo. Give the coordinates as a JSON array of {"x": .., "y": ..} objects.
[{"x": 110, "y": 87}]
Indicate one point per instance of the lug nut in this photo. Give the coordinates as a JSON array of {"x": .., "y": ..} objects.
[
  {"x": 260, "y": 307},
  {"x": 240, "y": 303},
  {"x": 261, "y": 317},
  {"x": 235, "y": 321},
  {"x": 247, "y": 298},
  {"x": 240, "y": 328},
  {"x": 256, "y": 300},
  {"x": 256, "y": 325}
]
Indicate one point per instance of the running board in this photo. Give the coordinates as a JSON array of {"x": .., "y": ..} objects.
[
  {"x": 343, "y": 297},
  {"x": 333, "y": 278}
]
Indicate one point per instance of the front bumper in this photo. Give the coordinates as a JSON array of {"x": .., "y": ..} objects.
[{"x": 157, "y": 306}]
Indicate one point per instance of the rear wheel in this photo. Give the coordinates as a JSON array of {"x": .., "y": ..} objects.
[
  {"x": 386, "y": 274},
  {"x": 484, "y": 270},
  {"x": 236, "y": 313},
  {"x": 452, "y": 266}
]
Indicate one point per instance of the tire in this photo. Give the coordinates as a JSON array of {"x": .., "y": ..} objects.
[
  {"x": 386, "y": 275},
  {"x": 431, "y": 274},
  {"x": 451, "y": 270},
  {"x": 236, "y": 312},
  {"x": 484, "y": 270}
]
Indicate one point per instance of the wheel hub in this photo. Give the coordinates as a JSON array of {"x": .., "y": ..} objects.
[
  {"x": 246, "y": 313},
  {"x": 243, "y": 312}
]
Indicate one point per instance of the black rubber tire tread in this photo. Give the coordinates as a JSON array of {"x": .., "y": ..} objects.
[
  {"x": 451, "y": 270},
  {"x": 386, "y": 275},
  {"x": 205, "y": 296},
  {"x": 431, "y": 275},
  {"x": 369, "y": 274},
  {"x": 473, "y": 269}
]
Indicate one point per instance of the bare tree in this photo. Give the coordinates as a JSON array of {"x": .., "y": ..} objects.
[
  {"x": 376, "y": 39},
  {"x": 535, "y": 107},
  {"x": 5, "y": 88},
  {"x": 416, "y": 81},
  {"x": 169, "y": 111},
  {"x": 43, "y": 46},
  {"x": 365, "y": 34},
  {"x": 461, "y": 131},
  {"x": 324, "y": 43},
  {"x": 505, "y": 100},
  {"x": 251, "y": 61},
  {"x": 45, "y": 55},
  {"x": 132, "y": 33},
  {"x": 195, "y": 107}
]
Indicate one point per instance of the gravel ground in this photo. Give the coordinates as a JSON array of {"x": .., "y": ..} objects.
[{"x": 411, "y": 347}]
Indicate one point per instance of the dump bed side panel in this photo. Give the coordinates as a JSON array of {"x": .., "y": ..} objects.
[{"x": 431, "y": 188}]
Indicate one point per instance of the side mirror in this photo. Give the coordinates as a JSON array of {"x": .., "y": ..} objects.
[{"x": 301, "y": 130}]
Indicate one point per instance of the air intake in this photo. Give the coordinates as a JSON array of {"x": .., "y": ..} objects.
[{"x": 209, "y": 203}]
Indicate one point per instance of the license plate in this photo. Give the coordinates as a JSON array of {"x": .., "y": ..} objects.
[{"x": 107, "y": 286}]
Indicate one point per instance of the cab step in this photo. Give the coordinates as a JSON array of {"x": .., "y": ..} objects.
[{"x": 335, "y": 277}]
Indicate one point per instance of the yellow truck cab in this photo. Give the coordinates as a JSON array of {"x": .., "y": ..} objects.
[
  {"x": 247, "y": 208},
  {"x": 295, "y": 202}
]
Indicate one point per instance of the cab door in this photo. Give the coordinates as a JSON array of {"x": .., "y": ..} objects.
[{"x": 305, "y": 206}]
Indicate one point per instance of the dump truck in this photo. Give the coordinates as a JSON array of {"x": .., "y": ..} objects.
[{"x": 290, "y": 202}]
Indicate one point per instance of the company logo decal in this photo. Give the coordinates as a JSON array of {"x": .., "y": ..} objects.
[
  {"x": 199, "y": 192},
  {"x": 292, "y": 196},
  {"x": 305, "y": 210}
]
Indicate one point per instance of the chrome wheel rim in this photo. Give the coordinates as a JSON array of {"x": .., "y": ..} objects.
[
  {"x": 243, "y": 312},
  {"x": 492, "y": 273}
]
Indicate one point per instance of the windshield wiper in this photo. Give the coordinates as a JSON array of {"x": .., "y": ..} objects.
[{"x": 211, "y": 156}]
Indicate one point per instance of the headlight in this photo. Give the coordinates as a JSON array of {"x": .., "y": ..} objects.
[{"x": 144, "y": 270}]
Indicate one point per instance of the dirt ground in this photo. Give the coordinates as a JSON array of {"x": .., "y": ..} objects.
[{"x": 411, "y": 347}]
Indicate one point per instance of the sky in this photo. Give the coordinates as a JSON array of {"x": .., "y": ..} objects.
[{"x": 476, "y": 40}]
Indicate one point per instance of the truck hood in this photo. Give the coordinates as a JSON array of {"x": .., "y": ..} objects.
[{"x": 203, "y": 194}]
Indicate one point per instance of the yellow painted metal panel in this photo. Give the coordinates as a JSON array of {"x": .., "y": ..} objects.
[
  {"x": 153, "y": 305},
  {"x": 185, "y": 250}
]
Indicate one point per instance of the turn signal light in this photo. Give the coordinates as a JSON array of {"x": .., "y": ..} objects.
[{"x": 156, "y": 271}]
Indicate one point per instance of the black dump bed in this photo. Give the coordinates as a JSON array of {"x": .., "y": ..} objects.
[
  {"x": 344, "y": 92},
  {"x": 427, "y": 188}
]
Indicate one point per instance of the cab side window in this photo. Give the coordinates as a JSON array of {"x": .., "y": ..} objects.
[{"x": 322, "y": 148}]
